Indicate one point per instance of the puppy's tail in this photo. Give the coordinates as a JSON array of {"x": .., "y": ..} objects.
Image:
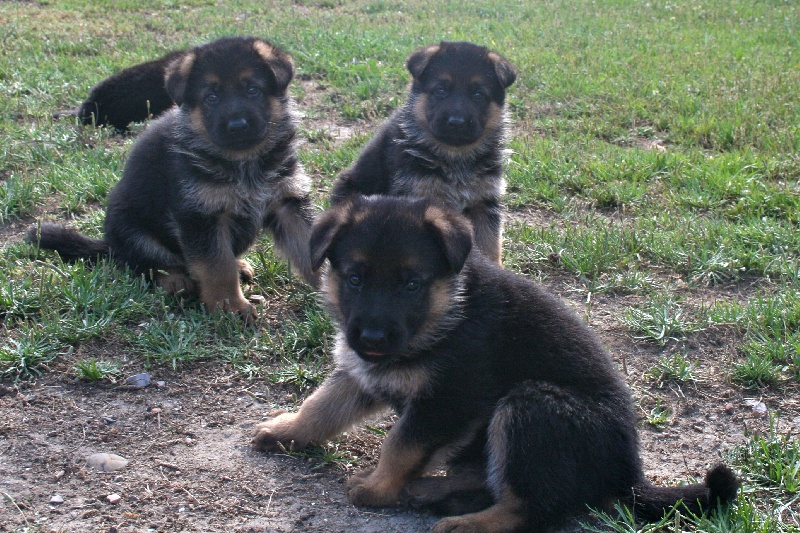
[
  {"x": 719, "y": 487},
  {"x": 69, "y": 244}
]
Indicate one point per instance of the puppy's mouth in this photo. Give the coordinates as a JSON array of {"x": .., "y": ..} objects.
[
  {"x": 241, "y": 142},
  {"x": 373, "y": 356},
  {"x": 456, "y": 137}
]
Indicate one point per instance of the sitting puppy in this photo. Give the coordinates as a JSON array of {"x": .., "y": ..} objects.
[
  {"x": 203, "y": 179},
  {"x": 133, "y": 94},
  {"x": 484, "y": 369},
  {"x": 447, "y": 142}
]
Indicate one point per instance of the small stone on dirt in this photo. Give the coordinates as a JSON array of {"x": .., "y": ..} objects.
[
  {"x": 56, "y": 499},
  {"x": 756, "y": 405},
  {"x": 139, "y": 381},
  {"x": 106, "y": 462},
  {"x": 257, "y": 299},
  {"x": 114, "y": 498}
]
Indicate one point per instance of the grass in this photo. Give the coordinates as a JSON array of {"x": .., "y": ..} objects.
[{"x": 654, "y": 148}]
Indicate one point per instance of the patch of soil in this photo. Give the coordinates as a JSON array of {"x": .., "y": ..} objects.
[{"x": 191, "y": 467}]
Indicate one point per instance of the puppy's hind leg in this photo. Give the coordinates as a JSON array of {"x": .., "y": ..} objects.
[{"x": 551, "y": 452}]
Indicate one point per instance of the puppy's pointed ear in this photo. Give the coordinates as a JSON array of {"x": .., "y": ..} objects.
[
  {"x": 505, "y": 71},
  {"x": 279, "y": 62},
  {"x": 419, "y": 59},
  {"x": 176, "y": 76},
  {"x": 454, "y": 233},
  {"x": 325, "y": 231}
]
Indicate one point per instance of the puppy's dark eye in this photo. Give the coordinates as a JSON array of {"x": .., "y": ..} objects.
[
  {"x": 478, "y": 96},
  {"x": 212, "y": 99},
  {"x": 412, "y": 285},
  {"x": 354, "y": 280},
  {"x": 440, "y": 92},
  {"x": 253, "y": 91}
]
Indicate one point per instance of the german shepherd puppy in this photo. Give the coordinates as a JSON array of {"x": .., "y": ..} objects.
[
  {"x": 447, "y": 142},
  {"x": 133, "y": 94},
  {"x": 203, "y": 179},
  {"x": 484, "y": 369}
]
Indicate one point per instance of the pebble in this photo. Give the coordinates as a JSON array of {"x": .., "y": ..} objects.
[
  {"x": 757, "y": 406},
  {"x": 56, "y": 499},
  {"x": 257, "y": 299},
  {"x": 106, "y": 462},
  {"x": 114, "y": 498},
  {"x": 139, "y": 381}
]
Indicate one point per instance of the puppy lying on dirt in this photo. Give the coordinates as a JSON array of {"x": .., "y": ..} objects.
[{"x": 486, "y": 371}]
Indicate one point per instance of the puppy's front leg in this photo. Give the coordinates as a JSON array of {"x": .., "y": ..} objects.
[
  {"x": 401, "y": 460},
  {"x": 290, "y": 226},
  {"x": 206, "y": 243},
  {"x": 487, "y": 223},
  {"x": 335, "y": 406},
  {"x": 218, "y": 282}
]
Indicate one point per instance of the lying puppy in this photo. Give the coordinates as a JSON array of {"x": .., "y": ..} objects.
[
  {"x": 203, "y": 179},
  {"x": 484, "y": 368},
  {"x": 133, "y": 94},
  {"x": 447, "y": 142}
]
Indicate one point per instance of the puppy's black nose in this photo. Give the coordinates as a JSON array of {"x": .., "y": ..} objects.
[
  {"x": 456, "y": 121},
  {"x": 237, "y": 124},
  {"x": 373, "y": 337}
]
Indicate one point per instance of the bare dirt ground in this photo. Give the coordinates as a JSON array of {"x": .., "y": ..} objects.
[{"x": 191, "y": 467}]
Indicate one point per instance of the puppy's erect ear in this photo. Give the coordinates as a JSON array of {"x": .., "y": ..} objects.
[
  {"x": 506, "y": 74},
  {"x": 419, "y": 59},
  {"x": 279, "y": 62},
  {"x": 454, "y": 233},
  {"x": 324, "y": 233},
  {"x": 176, "y": 76}
]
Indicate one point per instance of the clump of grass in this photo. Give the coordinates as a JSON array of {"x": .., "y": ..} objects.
[
  {"x": 27, "y": 355},
  {"x": 18, "y": 197},
  {"x": 770, "y": 462},
  {"x": 302, "y": 373},
  {"x": 755, "y": 371},
  {"x": 171, "y": 340},
  {"x": 675, "y": 368},
  {"x": 325, "y": 455},
  {"x": 94, "y": 370},
  {"x": 660, "y": 320},
  {"x": 658, "y": 415}
]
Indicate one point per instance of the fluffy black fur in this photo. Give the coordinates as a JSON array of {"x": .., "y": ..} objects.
[
  {"x": 446, "y": 142},
  {"x": 484, "y": 368},
  {"x": 206, "y": 177},
  {"x": 133, "y": 94}
]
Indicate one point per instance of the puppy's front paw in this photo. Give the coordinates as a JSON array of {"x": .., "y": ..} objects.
[
  {"x": 366, "y": 489},
  {"x": 242, "y": 308},
  {"x": 281, "y": 431},
  {"x": 246, "y": 272},
  {"x": 457, "y": 524}
]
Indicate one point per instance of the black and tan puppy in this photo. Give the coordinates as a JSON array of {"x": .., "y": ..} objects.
[
  {"x": 205, "y": 178},
  {"x": 484, "y": 369},
  {"x": 447, "y": 142},
  {"x": 133, "y": 94}
]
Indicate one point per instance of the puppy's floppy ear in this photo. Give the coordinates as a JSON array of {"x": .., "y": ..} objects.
[
  {"x": 505, "y": 71},
  {"x": 324, "y": 232},
  {"x": 419, "y": 59},
  {"x": 454, "y": 233},
  {"x": 279, "y": 62},
  {"x": 176, "y": 76}
]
